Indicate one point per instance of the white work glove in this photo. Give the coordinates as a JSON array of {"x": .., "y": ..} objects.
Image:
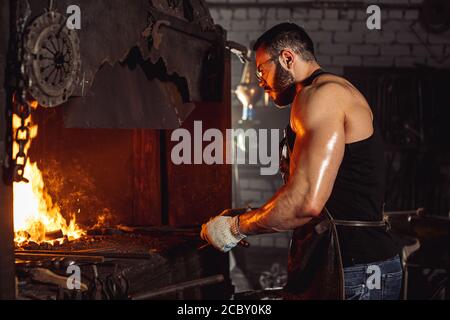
[{"x": 222, "y": 232}]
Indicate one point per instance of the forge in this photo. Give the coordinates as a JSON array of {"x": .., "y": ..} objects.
[{"x": 90, "y": 184}]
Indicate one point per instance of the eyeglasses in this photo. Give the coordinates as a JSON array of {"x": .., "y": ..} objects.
[{"x": 259, "y": 73}]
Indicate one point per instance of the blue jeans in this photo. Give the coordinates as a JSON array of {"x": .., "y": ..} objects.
[{"x": 374, "y": 281}]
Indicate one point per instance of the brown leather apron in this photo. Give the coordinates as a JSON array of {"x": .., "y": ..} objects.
[{"x": 315, "y": 269}]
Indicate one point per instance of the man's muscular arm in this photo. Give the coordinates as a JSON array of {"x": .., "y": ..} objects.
[{"x": 317, "y": 155}]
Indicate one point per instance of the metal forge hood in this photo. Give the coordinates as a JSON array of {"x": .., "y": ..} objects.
[{"x": 138, "y": 63}]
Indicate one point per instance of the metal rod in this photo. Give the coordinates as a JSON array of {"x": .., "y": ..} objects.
[
  {"x": 311, "y": 4},
  {"x": 180, "y": 286},
  {"x": 87, "y": 254},
  {"x": 406, "y": 212},
  {"x": 25, "y": 255}
]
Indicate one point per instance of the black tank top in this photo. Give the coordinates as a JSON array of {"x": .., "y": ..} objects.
[{"x": 358, "y": 194}]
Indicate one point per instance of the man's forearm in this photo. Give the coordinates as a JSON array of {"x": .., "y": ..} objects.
[{"x": 285, "y": 211}]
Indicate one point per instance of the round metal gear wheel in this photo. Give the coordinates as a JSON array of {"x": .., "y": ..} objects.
[{"x": 52, "y": 59}]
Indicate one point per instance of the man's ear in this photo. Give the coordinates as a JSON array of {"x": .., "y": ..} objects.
[{"x": 286, "y": 59}]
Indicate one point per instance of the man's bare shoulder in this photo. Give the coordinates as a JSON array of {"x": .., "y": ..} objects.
[
  {"x": 330, "y": 88},
  {"x": 320, "y": 102}
]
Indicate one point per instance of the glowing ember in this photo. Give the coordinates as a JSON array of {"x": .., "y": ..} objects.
[{"x": 35, "y": 214}]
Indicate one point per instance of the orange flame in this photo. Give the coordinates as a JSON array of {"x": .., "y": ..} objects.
[{"x": 35, "y": 214}]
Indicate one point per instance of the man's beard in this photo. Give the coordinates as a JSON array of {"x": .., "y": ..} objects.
[{"x": 284, "y": 88}]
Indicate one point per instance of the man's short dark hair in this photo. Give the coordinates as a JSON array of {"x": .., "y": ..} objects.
[{"x": 287, "y": 35}]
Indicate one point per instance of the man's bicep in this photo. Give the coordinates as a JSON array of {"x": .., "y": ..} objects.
[{"x": 317, "y": 155}]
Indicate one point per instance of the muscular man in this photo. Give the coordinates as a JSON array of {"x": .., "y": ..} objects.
[{"x": 336, "y": 162}]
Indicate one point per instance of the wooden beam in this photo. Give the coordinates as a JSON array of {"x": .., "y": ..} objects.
[{"x": 7, "y": 283}]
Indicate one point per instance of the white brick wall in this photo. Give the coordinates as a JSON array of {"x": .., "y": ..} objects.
[
  {"x": 340, "y": 36},
  {"x": 255, "y": 189}
]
